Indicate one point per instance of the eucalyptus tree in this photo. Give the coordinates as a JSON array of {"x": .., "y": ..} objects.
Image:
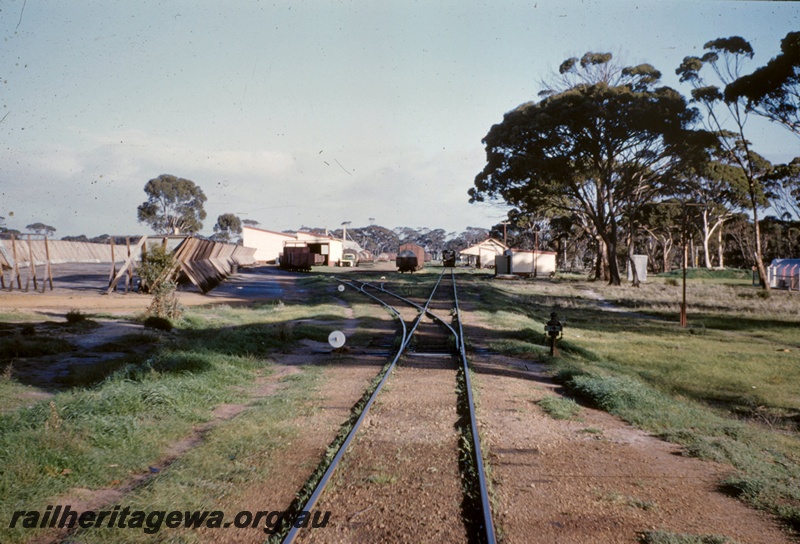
[
  {"x": 571, "y": 239},
  {"x": 473, "y": 235},
  {"x": 602, "y": 143},
  {"x": 41, "y": 228},
  {"x": 433, "y": 240},
  {"x": 663, "y": 222},
  {"x": 727, "y": 119},
  {"x": 174, "y": 205},
  {"x": 376, "y": 239},
  {"x": 773, "y": 91},
  {"x": 522, "y": 230},
  {"x": 228, "y": 228},
  {"x": 716, "y": 190},
  {"x": 786, "y": 179}
]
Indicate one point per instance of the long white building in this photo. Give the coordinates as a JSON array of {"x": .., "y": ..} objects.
[{"x": 269, "y": 244}]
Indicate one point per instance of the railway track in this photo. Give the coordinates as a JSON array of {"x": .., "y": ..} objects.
[{"x": 437, "y": 455}]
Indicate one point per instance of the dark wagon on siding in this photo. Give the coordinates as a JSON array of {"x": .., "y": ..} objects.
[{"x": 410, "y": 257}]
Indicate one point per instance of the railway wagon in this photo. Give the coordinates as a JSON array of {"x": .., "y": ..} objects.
[
  {"x": 410, "y": 257},
  {"x": 298, "y": 259}
]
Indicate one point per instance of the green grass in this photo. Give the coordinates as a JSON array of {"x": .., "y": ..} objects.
[
  {"x": 17, "y": 346},
  {"x": 725, "y": 388},
  {"x": 87, "y": 438},
  {"x": 713, "y": 274},
  {"x": 560, "y": 407},
  {"x": 91, "y": 436},
  {"x": 233, "y": 454},
  {"x": 19, "y": 316},
  {"x": 14, "y": 395}
]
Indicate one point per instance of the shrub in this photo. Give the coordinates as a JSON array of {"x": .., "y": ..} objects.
[
  {"x": 75, "y": 316},
  {"x": 560, "y": 407},
  {"x": 610, "y": 393},
  {"x": 165, "y": 301},
  {"x": 154, "y": 268},
  {"x": 156, "y": 272},
  {"x": 157, "y": 322}
]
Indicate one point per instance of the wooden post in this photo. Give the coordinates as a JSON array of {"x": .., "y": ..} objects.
[
  {"x": 113, "y": 273},
  {"x": 140, "y": 246},
  {"x": 49, "y": 271},
  {"x": 16, "y": 265},
  {"x": 33, "y": 266},
  {"x": 685, "y": 264},
  {"x": 129, "y": 280}
]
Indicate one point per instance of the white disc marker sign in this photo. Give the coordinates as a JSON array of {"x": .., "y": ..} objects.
[
  {"x": 341, "y": 288},
  {"x": 336, "y": 339}
]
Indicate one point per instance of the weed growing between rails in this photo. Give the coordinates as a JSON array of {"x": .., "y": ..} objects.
[{"x": 471, "y": 508}]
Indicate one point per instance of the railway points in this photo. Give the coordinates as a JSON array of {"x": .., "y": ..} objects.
[{"x": 427, "y": 450}]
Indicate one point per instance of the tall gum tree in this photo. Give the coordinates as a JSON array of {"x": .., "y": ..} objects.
[
  {"x": 786, "y": 181},
  {"x": 174, "y": 205},
  {"x": 602, "y": 142},
  {"x": 716, "y": 190},
  {"x": 773, "y": 91},
  {"x": 228, "y": 228},
  {"x": 727, "y": 119}
]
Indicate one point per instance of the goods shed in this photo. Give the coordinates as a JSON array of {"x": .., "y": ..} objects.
[{"x": 270, "y": 246}]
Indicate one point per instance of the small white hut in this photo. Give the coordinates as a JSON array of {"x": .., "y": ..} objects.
[{"x": 482, "y": 255}]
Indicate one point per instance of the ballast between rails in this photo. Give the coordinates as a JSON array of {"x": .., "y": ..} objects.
[
  {"x": 312, "y": 501},
  {"x": 488, "y": 525},
  {"x": 460, "y": 346}
]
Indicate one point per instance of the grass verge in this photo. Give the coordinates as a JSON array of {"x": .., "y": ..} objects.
[
  {"x": 101, "y": 437},
  {"x": 725, "y": 389}
]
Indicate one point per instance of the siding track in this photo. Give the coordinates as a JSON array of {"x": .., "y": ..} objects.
[{"x": 427, "y": 419}]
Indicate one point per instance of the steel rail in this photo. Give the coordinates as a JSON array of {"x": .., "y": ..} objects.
[
  {"x": 476, "y": 443},
  {"x": 488, "y": 524},
  {"x": 312, "y": 500},
  {"x": 422, "y": 309},
  {"x": 438, "y": 318}
]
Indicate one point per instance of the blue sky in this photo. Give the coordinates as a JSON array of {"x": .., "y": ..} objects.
[{"x": 308, "y": 113}]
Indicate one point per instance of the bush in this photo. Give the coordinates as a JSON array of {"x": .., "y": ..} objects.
[
  {"x": 160, "y": 323},
  {"x": 611, "y": 393},
  {"x": 75, "y": 316},
  {"x": 154, "y": 268},
  {"x": 165, "y": 301},
  {"x": 156, "y": 272},
  {"x": 560, "y": 407}
]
